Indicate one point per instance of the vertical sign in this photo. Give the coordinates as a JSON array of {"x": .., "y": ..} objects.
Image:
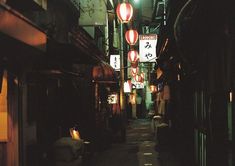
[
  {"x": 115, "y": 62},
  {"x": 147, "y": 48},
  {"x": 127, "y": 86}
]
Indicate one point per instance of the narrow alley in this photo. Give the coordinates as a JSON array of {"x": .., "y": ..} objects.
[
  {"x": 139, "y": 149},
  {"x": 117, "y": 83}
]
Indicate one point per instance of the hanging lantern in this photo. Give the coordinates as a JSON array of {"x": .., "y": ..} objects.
[
  {"x": 138, "y": 78},
  {"x": 124, "y": 12},
  {"x": 135, "y": 64},
  {"x": 134, "y": 71},
  {"x": 133, "y": 56},
  {"x": 153, "y": 88},
  {"x": 142, "y": 75},
  {"x": 131, "y": 36}
]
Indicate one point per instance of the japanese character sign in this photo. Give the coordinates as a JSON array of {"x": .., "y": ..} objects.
[
  {"x": 115, "y": 62},
  {"x": 112, "y": 99},
  {"x": 147, "y": 47},
  {"x": 93, "y": 12}
]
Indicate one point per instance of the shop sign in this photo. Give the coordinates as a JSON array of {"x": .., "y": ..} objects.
[
  {"x": 147, "y": 48},
  {"x": 115, "y": 62},
  {"x": 127, "y": 86},
  {"x": 138, "y": 85},
  {"x": 112, "y": 99}
]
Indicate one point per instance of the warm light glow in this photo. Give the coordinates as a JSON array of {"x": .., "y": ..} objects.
[
  {"x": 159, "y": 73},
  {"x": 133, "y": 56},
  {"x": 131, "y": 36},
  {"x": 135, "y": 64},
  {"x": 138, "y": 78},
  {"x": 113, "y": 99},
  {"x": 74, "y": 134},
  {"x": 134, "y": 71},
  {"x": 3, "y": 109},
  {"x": 178, "y": 77},
  {"x": 153, "y": 88},
  {"x": 124, "y": 12},
  {"x": 142, "y": 74},
  {"x": 148, "y": 154},
  {"x": 231, "y": 96},
  {"x": 179, "y": 66},
  {"x": 132, "y": 99}
]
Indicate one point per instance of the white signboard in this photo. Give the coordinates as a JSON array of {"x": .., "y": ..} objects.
[
  {"x": 138, "y": 85},
  {"x": 147, "y": 48},
  {"x": 127, "y": 87},
  {"x": 112, "y": 99},
  {"x": 115, "y": 62},
  {"x": 93, "y": 12}
]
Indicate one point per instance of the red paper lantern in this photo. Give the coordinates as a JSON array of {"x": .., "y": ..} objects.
[
  {"x": 134, "y": 71},
  {"x": 135, "y": 64},
  {"x": 133, "y": 56},
  {"x": 138, "y": 78},
  {"x": 124, "y": 12},
  {"x": 131, "y": 36},
  {"x": 142, "y": 75}
]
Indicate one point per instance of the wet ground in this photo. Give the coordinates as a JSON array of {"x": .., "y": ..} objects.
[{"x": 139, "y": 149}]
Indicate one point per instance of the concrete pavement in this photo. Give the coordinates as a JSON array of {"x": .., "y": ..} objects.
[{"x": 138, "y": 150}]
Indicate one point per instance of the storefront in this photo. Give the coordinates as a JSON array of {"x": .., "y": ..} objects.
[{"x": 21, "y": 44}]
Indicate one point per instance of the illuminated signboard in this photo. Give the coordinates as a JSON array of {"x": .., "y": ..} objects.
[{"x": 112, "y": 99}]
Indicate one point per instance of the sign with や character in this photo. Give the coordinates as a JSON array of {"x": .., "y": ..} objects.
[{"x": 147, "y": 48}]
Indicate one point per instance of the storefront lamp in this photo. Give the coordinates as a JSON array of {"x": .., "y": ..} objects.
[
  {"x": 131, "y": 36},
  {"x": 133, "y": 56},
  {"x": 153, "y": 88},
  {"x": 74, "y": 133},
  {"x": 124, "y": 12}
]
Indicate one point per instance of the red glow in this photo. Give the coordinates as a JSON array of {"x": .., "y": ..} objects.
[
  {"x": 124, "y": 12},
  {"x": 131, "y": 36}
]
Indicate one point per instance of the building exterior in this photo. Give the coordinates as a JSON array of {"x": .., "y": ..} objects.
[
  {"x": 55, "y": 74},
  {"x": 53, "y": 77}
]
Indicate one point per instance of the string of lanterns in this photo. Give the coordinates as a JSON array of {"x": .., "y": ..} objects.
[{"x": 124, "y": 12}]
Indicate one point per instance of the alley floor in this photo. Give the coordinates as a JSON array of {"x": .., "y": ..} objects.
[{"x": 138, "y": 149}]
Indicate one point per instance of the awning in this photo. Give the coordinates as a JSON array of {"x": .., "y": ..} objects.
[
  {"x": 104, "y": 73},
  {"x": 80, "y": 49},
  {"x": 69, "y": 53},
  {"x": 20, "y": 28}
]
